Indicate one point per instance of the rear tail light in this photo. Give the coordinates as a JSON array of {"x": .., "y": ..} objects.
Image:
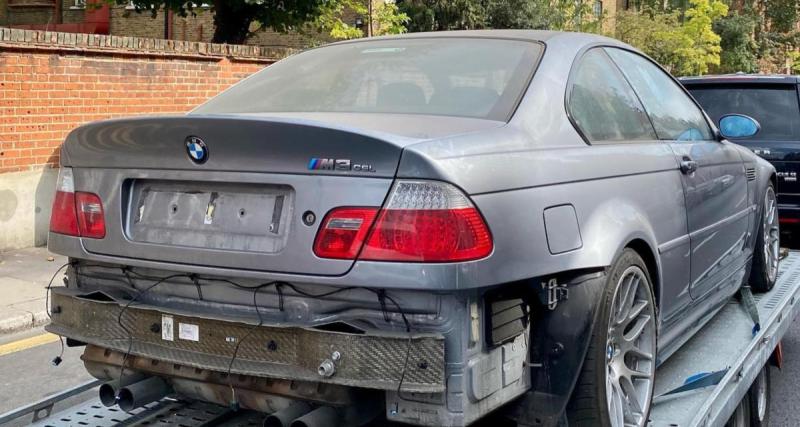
[
  {"x": 343, "y": 232},
  {"x": 423, "y": 221},
  {"x": 427, "y": 221},
  {"x": 76, "y": 213},
  {"x": 63, "y": 218},
  {"x": 91, "y": 221}
]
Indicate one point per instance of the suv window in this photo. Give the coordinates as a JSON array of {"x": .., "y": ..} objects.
[
  {"x": 603, "y": 105},
  {"x": 773, "y": 105},
  {"x": 675, "y": 116}
]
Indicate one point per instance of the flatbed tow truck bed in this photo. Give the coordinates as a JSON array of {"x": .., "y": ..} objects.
[{"x": 725, "y": 345}]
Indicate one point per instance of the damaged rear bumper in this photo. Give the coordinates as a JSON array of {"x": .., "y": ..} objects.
[
  {"x": 467, "y": 355},
  {"x": 365, "y": 361}
]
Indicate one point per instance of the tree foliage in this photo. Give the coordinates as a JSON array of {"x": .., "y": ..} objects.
[
  {"x": 441, "y": 15},
  {"x": 697, "y": 25},
  {"x": 684, "y": 43},
  {"x": 738, "y": 44},
  {"x": 385, "y": 18}
]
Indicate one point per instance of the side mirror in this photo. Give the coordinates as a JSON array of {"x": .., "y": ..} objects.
[{"x": 737, "y": 126}]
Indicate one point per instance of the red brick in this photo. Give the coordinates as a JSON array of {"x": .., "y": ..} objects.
[{"x": 45, "y": 94}]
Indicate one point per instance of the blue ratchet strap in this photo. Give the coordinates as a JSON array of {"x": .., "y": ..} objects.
[
  {"x": 750, "y": 306},
  {"x": 697, "y": 381}
]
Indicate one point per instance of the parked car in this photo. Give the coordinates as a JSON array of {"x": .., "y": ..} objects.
[
  {"x": 772, "y": 100},
  {"x": 426, "y": 228}
]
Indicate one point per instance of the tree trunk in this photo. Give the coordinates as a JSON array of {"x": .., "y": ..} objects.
[{"x": 232, "y": 19}]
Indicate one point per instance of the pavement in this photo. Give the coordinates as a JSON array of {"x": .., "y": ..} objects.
[{"x": 24, "y": 275}]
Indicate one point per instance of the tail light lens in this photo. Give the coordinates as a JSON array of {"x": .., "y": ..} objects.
[
  {"x": 91, "y": 220},
  {"x": 427, "y": 221},
  {"x": 63, "y": 218},
  {"x": 343, "y": 232},
  {"x": 76, "y": 213},
  {"x": 423, "y": 221}
]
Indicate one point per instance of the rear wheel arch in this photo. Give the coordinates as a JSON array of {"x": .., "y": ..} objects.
[{"x": 648, "y": 256}]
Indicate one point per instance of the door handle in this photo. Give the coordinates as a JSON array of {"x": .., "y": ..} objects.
[{"x": 688, "y": 166}]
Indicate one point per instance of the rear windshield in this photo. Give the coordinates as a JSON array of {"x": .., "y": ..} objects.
[
  {"x": 774, "y": 106},
  {"x": 481, "y": 78}
]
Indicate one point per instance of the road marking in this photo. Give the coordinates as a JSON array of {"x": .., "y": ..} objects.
[{"x": 27, "y": 343}]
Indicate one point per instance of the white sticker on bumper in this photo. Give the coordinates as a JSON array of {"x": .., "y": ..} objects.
[
  {"x": 167, "y": 328},
  {"x": 189, "y": 332}
]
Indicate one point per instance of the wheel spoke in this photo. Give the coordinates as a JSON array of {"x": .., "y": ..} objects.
[
  {"x": 634, "y": 407},
  {"x": 617, "y": 405},
  {"x": 640, "y": 354},
  {"x": 628, "y": 298},
  {"x": 636, "y": 310},
  {"x": 637, "y": 328},
  {"x": 636, "y": 374},
  {"x": 623, "y": 294}
]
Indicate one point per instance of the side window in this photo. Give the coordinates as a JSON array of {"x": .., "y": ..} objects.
[
  {"x": 603, "y": 105},
  {"x": 673, "y": 113}
]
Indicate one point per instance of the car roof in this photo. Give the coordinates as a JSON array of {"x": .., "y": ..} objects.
[
  {"x": 531, "y": 35},
  {"x": 741, "y": 78}
]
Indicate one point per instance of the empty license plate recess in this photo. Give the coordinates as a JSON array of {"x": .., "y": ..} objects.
[{"x": 243, "y": 217}]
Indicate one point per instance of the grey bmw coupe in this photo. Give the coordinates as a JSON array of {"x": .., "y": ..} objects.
[{"x": 421, "y": 229}]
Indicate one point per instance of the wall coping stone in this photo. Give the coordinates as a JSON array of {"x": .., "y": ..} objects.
[{"x": 14, "y": 38}]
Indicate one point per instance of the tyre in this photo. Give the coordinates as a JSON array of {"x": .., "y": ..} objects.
[
  {"x": 758, "y": 399},
  {"x": 766, "y": 252},
  {"x": 615, "y": 386},
  {"x": 741, "y": 416}
]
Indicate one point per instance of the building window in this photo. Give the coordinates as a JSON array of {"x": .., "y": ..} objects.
[
  {"x": 597, "y": 9},
  {"x": 132, "y": 6},
  {"x": 78, "y": 4}
]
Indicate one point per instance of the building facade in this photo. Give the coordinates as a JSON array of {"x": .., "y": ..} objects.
[{"x": 98, "y": 17}]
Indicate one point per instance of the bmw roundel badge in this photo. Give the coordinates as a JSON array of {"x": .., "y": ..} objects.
[{"x": 197, "y": 149}]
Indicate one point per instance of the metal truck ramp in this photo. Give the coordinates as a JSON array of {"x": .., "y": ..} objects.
[{"x": 726, "y": 342}]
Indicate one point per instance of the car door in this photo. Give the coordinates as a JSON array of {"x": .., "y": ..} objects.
[
  {"x": 714, "y": 181},
  {"x": 606, "y": 111}
]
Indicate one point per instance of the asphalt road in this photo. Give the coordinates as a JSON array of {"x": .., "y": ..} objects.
[{"x": 29, "y": 375}]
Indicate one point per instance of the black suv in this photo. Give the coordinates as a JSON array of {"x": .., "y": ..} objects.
[{"x": 773, "y": 102}]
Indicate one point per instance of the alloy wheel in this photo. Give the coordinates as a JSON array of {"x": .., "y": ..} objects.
[
  {"x": 630, "y": 351},
  {"x": 771, "y": 234}
]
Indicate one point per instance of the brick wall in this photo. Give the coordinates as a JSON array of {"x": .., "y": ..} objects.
[
  {"x": 52, "y": 82},
  {"x": 132, "y": 23},
  {"x": 70, "y": 14},
  {"x": 26, "y": 15}
]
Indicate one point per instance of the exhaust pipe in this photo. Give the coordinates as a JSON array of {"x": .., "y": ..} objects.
[
  {"x": 141, "y": 393},
  {"x": 108, "y": 391},
  {"x": 285, "y": 416},
  {"x": 324, "y": 416}
]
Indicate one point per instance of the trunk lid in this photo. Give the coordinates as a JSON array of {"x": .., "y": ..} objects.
[{"x": 244, "y": 206}]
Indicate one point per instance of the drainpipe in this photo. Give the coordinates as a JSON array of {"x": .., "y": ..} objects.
[
  {"x": 166, "y": 20},
  {"x": 59, "y": 10}
]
